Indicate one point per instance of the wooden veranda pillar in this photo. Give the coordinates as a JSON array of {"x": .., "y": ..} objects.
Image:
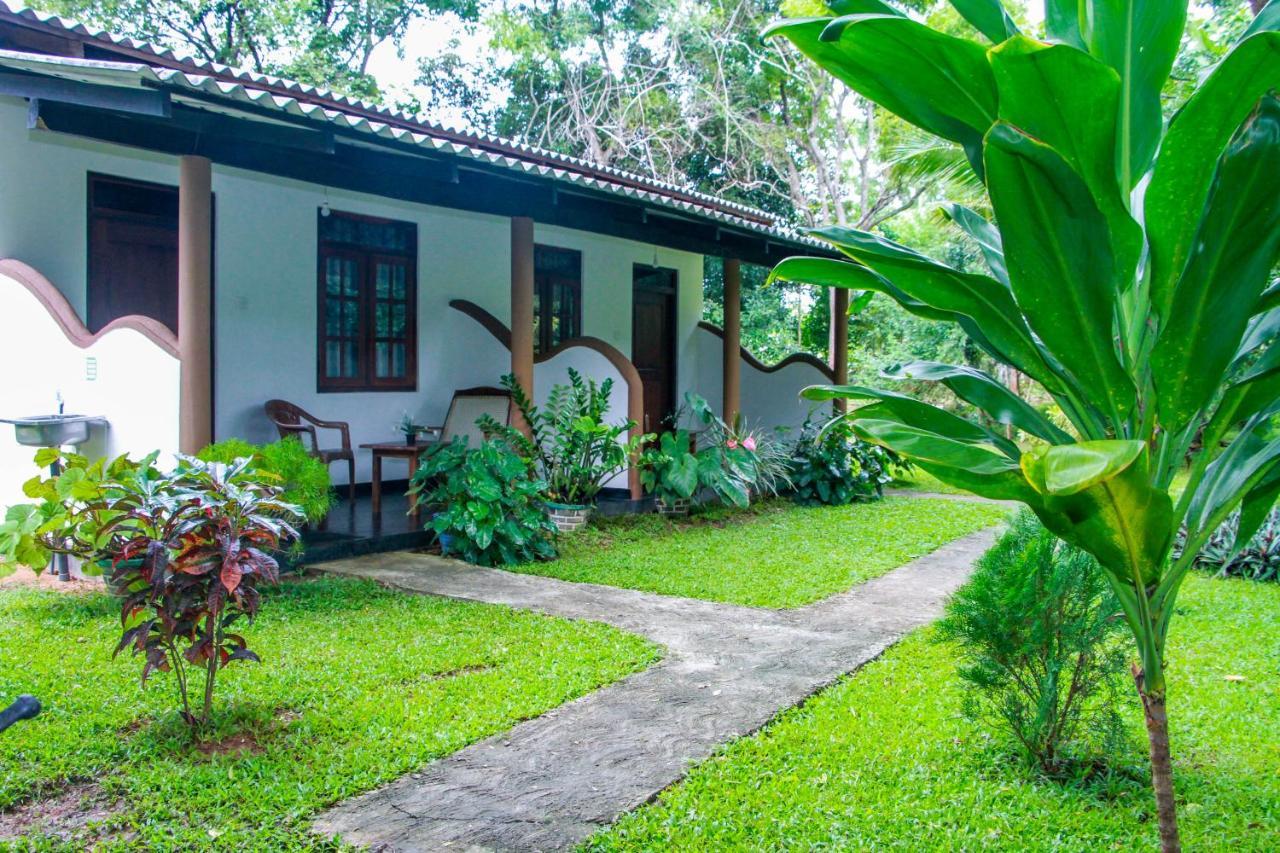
[
  {"x": 732, "y": 339},
  {"x": 195, "y": 297},
  {"x": 839, "y": 341},
  {"x": 522, "y": 308}
]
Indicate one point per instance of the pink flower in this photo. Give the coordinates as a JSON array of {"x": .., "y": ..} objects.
[
  {"x": 749, "y": 442},
  {"x": 732, "y": 444}
]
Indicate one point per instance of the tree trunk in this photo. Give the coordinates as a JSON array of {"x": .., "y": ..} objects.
[{"x": 1157, "y": 718}]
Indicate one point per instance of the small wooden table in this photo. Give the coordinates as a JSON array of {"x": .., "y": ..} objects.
[{"x": 394, "y": 450}]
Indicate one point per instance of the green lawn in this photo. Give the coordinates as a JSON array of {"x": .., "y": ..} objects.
[
  {"x": 920, "y": 480},
  {"x": 358, "y": 686},
  {"x": 884, "y": 760},
  {"x": 774, "y": 555}
]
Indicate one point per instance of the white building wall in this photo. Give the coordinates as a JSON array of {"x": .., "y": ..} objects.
[
  {"x": 44, "y": 189},
  {"x": 131, "y": 382},
  {"x": 769, "y": 399},
  {"x": 265, "y": 299}
]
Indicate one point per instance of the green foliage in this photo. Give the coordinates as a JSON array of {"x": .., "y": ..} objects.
[
  {"x": 887, "y": 760},
  {"x": 182, "y": 549},
  {"x": 671, "y": 471},
  {"x": 762, "y": 556},
  {"x": 486, "y": 504},
  {"x": 304, "y": 478},
  {"x": 324, "y": 44},
  {"x": 1148, "y": 328},
  {"x": 1036, "y": 629},
  {"x": 364, "y": 685},
  {"x": 1226, "y": 556},
  {"x": 733, "y": 461},
  {"x": 571, "y": 447},
  {"x": 835, "y": 467}
]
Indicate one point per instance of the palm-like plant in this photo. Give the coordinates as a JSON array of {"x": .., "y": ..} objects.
[{"x": 1129, "y": 266}]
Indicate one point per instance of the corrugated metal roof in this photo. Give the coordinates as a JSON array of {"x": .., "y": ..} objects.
[{"x": 300, "y": 99}]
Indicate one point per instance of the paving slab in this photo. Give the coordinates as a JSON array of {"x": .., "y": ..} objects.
[{"x": 553, "y": 781}]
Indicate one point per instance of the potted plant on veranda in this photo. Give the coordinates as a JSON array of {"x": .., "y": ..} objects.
[
  {"x": 1129, "y": 277},
  {"x": 570, "y": 446}
]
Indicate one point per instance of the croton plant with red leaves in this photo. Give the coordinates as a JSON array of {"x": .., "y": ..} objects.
[{"x": 183, "y": 549}]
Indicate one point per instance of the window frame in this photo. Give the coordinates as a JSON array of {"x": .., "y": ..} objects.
[
  {"x": 543, "y": 283},
  {"x": 367, "y": 258}
]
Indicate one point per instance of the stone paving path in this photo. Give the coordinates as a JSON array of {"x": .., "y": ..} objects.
[{"x": 553, "y": 781}]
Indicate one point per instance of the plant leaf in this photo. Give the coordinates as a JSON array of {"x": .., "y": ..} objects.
[
  {"x": 890, "y": 405},
  {"x": 1068, "y": 100},
  {"x": 935, "y": 81},
  {"x": 1226, "y": 272},
  {"x": 1062, "y": 22},
  {"x": 975, "y": 387},
  {"x": 989, "y": 306},
  {"x": 1061, "y": 265},
  {"x": 1189, "y": 156},
  {"x": 986, "y": 235},
  {"x": 1140, "y": 40},
  {"x": 977, "y": 468},
  {"x": 987, "y": 17},
  {"x": 1097, "y": 495}
]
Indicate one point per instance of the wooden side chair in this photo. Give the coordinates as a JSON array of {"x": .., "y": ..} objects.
[
  {"x": 292, "y": 420},
  {"x": 468, "y": 406}
]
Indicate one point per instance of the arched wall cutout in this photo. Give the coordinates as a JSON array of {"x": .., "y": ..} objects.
[
  {"x": 795, "y": 358},
  {"x": 635, "y": 386},
  {"x": 69, "y": 321}
]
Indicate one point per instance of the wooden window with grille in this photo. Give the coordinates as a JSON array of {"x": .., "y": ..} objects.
[
  {"x": 557, "y": 296},
  {"x": 367, "y": 338}
]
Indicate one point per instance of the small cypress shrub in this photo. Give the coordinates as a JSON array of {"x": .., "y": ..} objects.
[{"x": 1040, "y": 655}]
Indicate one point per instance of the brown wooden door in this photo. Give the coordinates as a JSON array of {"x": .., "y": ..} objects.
[
  {"x": 653, "y": 342},
  {"x": 133, "y": 270},
  {"x": 133, "y": 251}
]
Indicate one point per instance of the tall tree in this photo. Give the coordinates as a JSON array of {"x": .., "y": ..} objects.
[{"x": 326, "y": 43}]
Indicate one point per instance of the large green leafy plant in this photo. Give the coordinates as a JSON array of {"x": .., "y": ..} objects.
[
  {"x": 1129, "y": 265},
  {"x": 571, "y": 446},
  {"x": 486, "y": 503}
]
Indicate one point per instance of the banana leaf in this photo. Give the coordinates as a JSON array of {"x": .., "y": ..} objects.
[
  {"x": 987, "y": 17},
  {"x": 986, "y": 235}
]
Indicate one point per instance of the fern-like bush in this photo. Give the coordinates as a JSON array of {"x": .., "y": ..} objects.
[
  {"x": 287, "y": 464},
  {"x": 1038, "y": 632}
]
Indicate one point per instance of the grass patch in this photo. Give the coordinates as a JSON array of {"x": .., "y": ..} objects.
[
  {"x": 884, "y": 760},
  {"x": 776, "y": 554},
  {"x": 920, "y": 480},
  {"x": 358, "y": 686}
]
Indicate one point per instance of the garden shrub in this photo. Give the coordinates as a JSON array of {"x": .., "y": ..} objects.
[
  {"x": 574, "y": 451},
  {"x": 486, "y": 505},
  {"x": 835, "y": 467},
  {"x": 304, "y": 478},
  {"x": 1258, "y": 559},
  {"x": 1038, "y": 632},
  {"x": 183, "y": 550}
]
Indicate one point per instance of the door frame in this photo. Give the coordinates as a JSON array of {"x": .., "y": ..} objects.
[{"x": 670, "y": 288}]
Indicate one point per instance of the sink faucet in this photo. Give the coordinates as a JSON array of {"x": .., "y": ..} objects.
[{"x": 61, "y": 403}]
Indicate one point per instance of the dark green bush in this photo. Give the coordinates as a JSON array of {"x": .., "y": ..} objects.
[
  {"x": 1257, "y": 560},
  {"x": 1039, "y": 632},
  {"x": 304, "y": 478},
  {"x": 485, "y": 504},
  {"x": 836, "y": 468}
]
